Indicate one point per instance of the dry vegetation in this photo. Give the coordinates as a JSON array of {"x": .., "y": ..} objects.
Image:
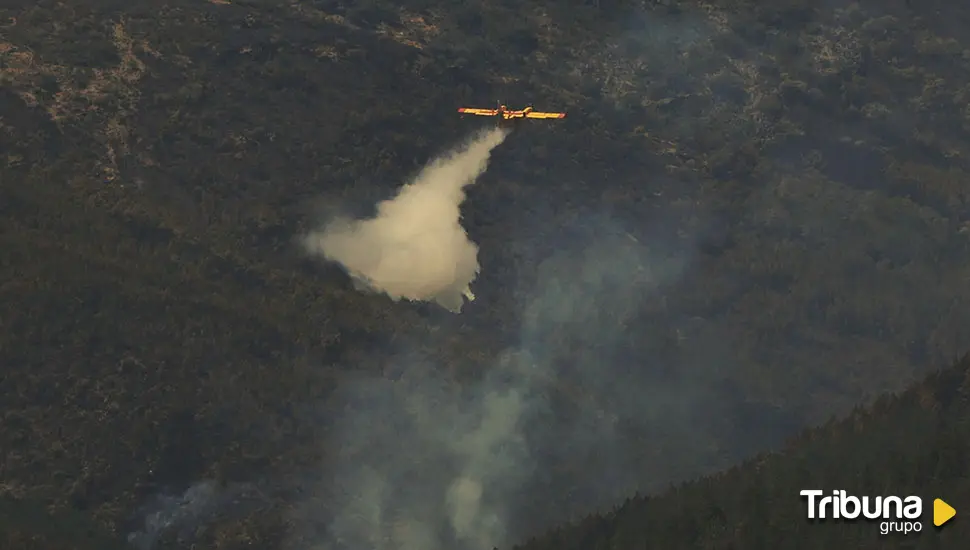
[{"x": 156, "y": 162}]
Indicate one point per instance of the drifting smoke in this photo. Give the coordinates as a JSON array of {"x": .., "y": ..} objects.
[
  {"x": 422, "y": 463},
  {"x": 183, "y": 518},
  {"x": 421, "y": 468},
  {"x": 416, "y": 248}
]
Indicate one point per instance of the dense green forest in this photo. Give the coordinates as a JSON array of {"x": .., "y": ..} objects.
[
  {"x": 914, "y": 443},
  {"x": 795, "y": 174}
]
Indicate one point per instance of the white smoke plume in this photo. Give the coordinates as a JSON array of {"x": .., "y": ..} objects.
[
  {"x": 417, "y": 467},
  {"x": 416, "y": 460},
  {"x": 415, "y": 247}
]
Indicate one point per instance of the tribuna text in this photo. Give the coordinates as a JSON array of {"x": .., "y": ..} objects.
[{"x": 839, "y": 505}]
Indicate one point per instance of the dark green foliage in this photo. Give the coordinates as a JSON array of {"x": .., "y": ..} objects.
[
  {"x": 158, "y": 159},
  {"x": 27, "y": 525},
  {"x": 911, "y": 444}
]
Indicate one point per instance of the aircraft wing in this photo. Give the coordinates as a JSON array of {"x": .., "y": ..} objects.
[
  {"x": 536, "y": 114},
  {"x": 481, "y": 112}
]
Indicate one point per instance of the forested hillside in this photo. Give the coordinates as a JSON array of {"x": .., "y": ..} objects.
[
  {"x": 914, "y": 443},
  {"x": 755, "y": 217}
]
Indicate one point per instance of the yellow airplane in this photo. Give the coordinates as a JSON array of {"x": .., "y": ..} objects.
[{"x": 506, "y": 114}]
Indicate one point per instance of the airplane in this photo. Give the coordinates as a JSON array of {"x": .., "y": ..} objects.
[{"x": 506, "y": 114}]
